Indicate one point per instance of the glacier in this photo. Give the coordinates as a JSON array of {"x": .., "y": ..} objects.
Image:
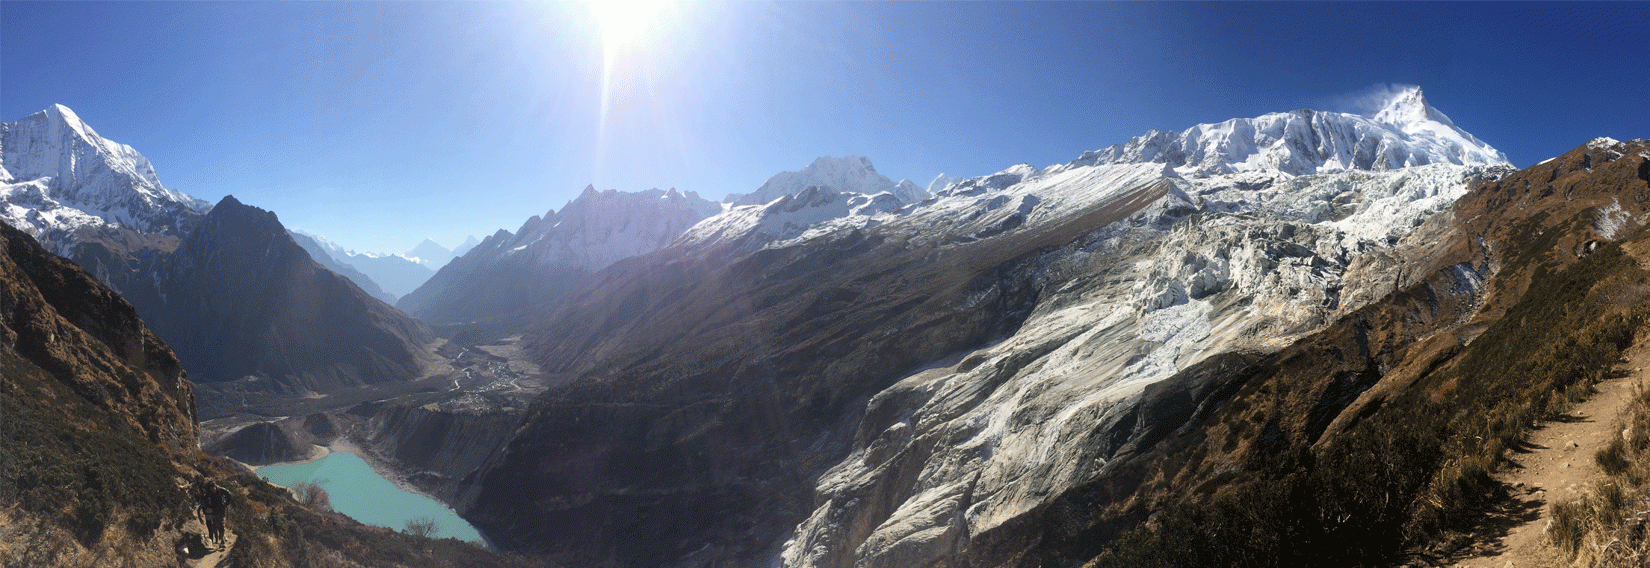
[{"x": 1239, "y": 237}]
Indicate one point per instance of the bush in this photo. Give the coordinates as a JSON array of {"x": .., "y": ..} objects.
[
  {"x": 1613, "y": 458},
  {"x": 313, "y": 496},
  {"x": 1569, "y": 525},
  {"x": 421, "y": 527}
]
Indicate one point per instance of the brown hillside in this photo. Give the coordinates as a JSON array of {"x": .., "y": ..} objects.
[{"x": 98, "y": 439}]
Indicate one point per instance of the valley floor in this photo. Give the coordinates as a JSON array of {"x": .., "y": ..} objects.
[{"x": 1555, "y": 465}]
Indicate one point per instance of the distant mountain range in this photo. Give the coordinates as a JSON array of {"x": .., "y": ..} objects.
[
  {"x": 511, "y": 275},
  {"x": 386, "y": 276}
]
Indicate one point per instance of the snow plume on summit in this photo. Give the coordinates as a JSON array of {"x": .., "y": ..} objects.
[
  {"x": 57, "y": 174},
  {"x": 1371, "y": 101},
  {"x": 1405, "y": 131}
]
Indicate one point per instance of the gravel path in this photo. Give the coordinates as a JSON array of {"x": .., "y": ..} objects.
[{"x": 1556, "y": 465}]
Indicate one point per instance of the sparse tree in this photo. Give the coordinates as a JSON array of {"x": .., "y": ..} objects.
[
  {"x": 313, "y": 496},
  {"x": 421, "y": 527}
]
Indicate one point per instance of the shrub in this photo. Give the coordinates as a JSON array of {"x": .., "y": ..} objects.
[
  {"x": 1613, "y": 458},
  {"x": 1569, "y": 524},
  {"x": 421, "y": 527},
  {"x": 313, "y": 496}
]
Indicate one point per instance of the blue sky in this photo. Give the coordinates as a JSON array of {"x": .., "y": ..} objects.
[{"x": 378, "y": 124}]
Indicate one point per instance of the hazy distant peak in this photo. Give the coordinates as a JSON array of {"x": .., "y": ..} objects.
[
  {"x": 848, "y": 174},
  {"x": 430, "y": 251},
  {"x": 469, "y": 243}
]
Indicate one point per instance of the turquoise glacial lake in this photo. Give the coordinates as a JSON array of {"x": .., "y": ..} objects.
[{"x": 358, "y": 491}]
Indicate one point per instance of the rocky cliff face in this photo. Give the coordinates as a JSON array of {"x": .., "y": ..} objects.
[{"x": 436, "y": 445}]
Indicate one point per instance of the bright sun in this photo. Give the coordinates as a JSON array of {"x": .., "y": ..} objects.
[{"x": 624, "y": 22}]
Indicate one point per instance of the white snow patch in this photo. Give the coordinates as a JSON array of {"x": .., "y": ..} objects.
[{"x": 1610, "y": 220}]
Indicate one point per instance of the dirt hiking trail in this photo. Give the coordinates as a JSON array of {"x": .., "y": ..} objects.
[
  {"x": 217, "y": 556},
  {"x": 1554, "y": 465}
]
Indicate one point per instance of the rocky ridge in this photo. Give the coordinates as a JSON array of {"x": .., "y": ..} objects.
[{"x": 510, "y": 274}]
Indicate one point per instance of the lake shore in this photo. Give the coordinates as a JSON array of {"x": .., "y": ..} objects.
[{"x": 380, "y": 467}]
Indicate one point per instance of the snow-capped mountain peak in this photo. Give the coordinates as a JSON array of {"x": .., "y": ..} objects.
[
  {"x": 1409, "y": 106},
  {"x": 59, "y": 174},
  {"x": 1406, "y": 132},
  {"x": 601, "y": 227},
  {"x": 941, "y": 182},
  {"x": 909, "y": 192},
  {"x": 848, "y": 174}
]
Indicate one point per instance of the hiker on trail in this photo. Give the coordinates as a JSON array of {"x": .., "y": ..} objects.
[
  {"x": 198, "y": 491},
  {"x": 217, "y": 506}
]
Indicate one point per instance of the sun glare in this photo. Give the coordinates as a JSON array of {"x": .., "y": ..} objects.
[
  {"x": 624, "y": 23},
  {"x": 626, "y": 27}
]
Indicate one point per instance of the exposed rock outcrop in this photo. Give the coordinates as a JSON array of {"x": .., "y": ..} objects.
[{"x": 435, "y": 445}]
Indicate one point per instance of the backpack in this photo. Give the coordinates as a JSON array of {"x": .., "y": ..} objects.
[{"x": 218, "y": 498}]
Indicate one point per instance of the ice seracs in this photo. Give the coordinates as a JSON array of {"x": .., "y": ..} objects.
[{"x": 1236, "y": 237}]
